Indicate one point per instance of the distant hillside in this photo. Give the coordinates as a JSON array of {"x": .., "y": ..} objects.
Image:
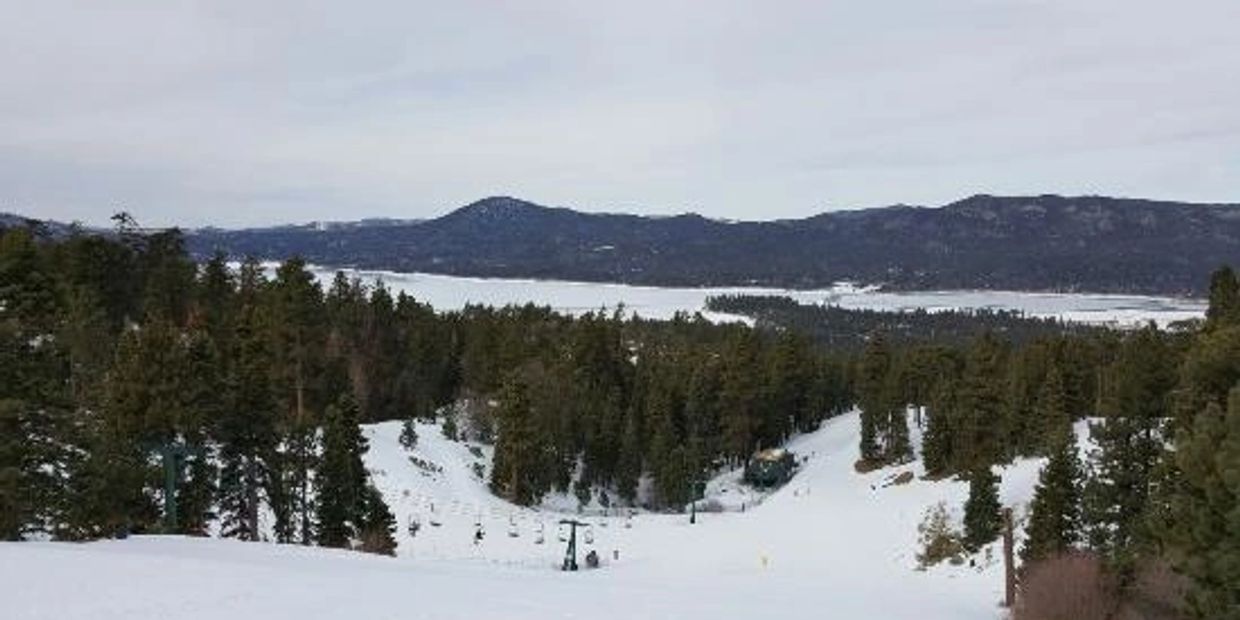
[{"x": 1060, "y": 243}]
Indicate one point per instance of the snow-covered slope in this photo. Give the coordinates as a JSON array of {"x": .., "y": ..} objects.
[{"x": 832, "y": 543}]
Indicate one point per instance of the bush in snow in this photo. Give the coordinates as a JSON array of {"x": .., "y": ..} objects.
[
  {"x": 1073, "y": 585},
  {"x": 1078, "y": 585},
  {"x": 938, "y": 539}
]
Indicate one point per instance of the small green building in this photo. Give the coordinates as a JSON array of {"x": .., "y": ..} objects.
[{"x": 770, "y": 468}]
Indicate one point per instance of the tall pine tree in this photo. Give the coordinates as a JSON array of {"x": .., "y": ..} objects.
[
  {"x": 1135, "y": 405},
  {"x": 981, "y": 510},
  {"x": 1055, "y": 513},
  {"x": 1204, "y": 538},
  {"x": 342, "y": 480}
]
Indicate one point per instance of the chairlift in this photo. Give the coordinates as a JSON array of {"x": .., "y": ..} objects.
[
  {"x": 562, "y": 533},
  {"x": 538, "y": 535},
  {"x": 512, "y": 528},
  {"x": 434, "y": 518},
  {"x": 589, "y": 535}
]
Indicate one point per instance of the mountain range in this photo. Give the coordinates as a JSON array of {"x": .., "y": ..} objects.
[{"x": 1039, "y": 243}]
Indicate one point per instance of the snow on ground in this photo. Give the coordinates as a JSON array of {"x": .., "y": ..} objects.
[
  {"x": 831, "y": 543},
  {"x": 451, "y": 292}
]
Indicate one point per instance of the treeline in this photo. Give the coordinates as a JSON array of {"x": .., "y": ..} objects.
[
  {"x": 849, "y": 329},
  {"x": 119, "y": 354},
  {"x": 603, "y": 401},
  {"x": 1158, "y": 486}
]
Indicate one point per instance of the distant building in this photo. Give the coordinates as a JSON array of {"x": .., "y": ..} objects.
[{"x": 770, "y": 468}]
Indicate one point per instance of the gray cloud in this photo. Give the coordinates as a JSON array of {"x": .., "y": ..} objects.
[{"x": 241, "y": 113}]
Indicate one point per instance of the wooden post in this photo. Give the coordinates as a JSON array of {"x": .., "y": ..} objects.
[{"x": 1009, "y": 563}]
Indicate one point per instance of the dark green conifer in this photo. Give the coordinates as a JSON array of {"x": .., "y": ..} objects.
[
  {"x": 1204, "y": 537},
  {"x": 1054, "y": 520},
  {"x": 979, "y": 403},
  {"x": 343, "y": 500},
  {"x": 981, "y": 510},
  {"x": 1224, "y": 308},
  {"x": 1135, "y": 405},
  {"x": 874, "y": 398}
]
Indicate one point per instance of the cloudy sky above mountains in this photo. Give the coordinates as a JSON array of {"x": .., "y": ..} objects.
[{"x": 243, "y": 113}]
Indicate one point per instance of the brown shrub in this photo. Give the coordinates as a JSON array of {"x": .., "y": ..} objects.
[
  {"x": 1157, "y": 593},
  {"x": 1073, "y": 586},
  {"x": 1078, "y": 586},
  {"x": 377, "y": 540},
  {"x": 904, "y": 478}
]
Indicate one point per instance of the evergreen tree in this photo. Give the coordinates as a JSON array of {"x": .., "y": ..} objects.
[
  {"x": 1054, "y": 520},
  {"x": 980, "y": 405},
  {"x": 1135, "y": 404},
  {"x": 740, "y": 405},
  {"x": 296, "y": 311},
  {"x": 668, "y": 458},
  {"x": 873, "y": 397},
  {"x": 981, "y": 510},
  {"x": 1224, "y": 308},
  {"x": 630, "y": 465},
  {"x": 1209, "y": 370},
  {"x": 1027, "y": 370},
  {"x": 167, "y": 276},
  {"x": 378, "y": 525},
  {"x": 216, "y": 308},
  {"x": 343, "y": 499},
  {"x": 408, "y": 435},
  {"x": 14, "y": 511},
  {"x": 514, "y": 471},
  {"x": 203, "y": 403},
  {"x": 37, "y": 446},
  {"x": 789, "y": 376},
  {"x": 247, "y": 429},
  {"x": 1204, "y": 538},
  {"x": 896, "y": 445},
  {"x": 1052, "y": 411},
  {"x": 938, "y": 441}
]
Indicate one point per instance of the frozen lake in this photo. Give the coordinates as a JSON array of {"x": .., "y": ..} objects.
[{"x": 452, "y": 293}]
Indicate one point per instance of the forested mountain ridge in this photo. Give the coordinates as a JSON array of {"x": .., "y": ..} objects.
[{"x": 1049, "y": 242}]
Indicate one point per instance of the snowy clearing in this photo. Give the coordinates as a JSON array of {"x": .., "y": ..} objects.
[{"x": 831, "y": 543}]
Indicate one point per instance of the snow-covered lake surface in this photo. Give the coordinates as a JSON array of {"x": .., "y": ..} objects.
[
  {"x": 831, "y": 544},
  {"x": 451, "y": 292}
]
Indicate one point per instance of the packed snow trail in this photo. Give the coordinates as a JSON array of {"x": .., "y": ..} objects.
[{"x": 831, "y": 543}]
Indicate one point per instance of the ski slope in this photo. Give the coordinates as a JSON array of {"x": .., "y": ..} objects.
[{"x": 832, "y": 543}]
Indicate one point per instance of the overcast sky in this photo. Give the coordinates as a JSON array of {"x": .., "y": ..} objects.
[{"x": 242, "y": 113}]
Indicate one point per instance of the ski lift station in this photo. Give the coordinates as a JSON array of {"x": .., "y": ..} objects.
[{"x": 770, "y": 468}]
